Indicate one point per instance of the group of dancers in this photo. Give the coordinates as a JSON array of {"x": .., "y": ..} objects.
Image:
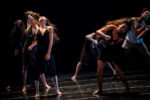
[
  {"x": 34, "y": 42},
  {"x": 108, "y": 46},
  {"x": 111, "y": 46}
]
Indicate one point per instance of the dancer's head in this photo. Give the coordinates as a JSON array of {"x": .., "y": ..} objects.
[
  {"x": 145, "y": 13},
  {"x": 18, "y": 23},
  {"x": 43, "y": 20},
  {"x": 122, "y": 23},
  {"x": 122, "y": 28}
]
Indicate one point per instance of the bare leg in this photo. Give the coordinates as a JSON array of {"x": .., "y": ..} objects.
[
  {"x": 122, "y": 76},
  {"x": 24, "y": 74},
  {"x": 42, "y": 76},
  {"x": 37, "y": 93},
  {"x": 55, "y": 82},
  {"x": 100, "y": 67},
  {"x": 78, "y": 67}
]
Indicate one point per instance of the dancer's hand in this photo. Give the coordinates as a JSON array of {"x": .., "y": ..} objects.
[
  {"x": 29, "y": 17},
  {"x": 47, "y": 56},
  {"x": 30, "y": 48},
  {"x": 107, "y": 37},
  {"x": 94, "y": 43}
]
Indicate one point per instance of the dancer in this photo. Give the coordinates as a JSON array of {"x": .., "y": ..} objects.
[
  {"x": 45, "y": 36},
  {"x": 29, "y": 51},
  {"x": 135, "y": 35},
  {"x": 15, "y": 44},
  {"x": 111, "y": 50},
  {"x": 92, "y": 52}
]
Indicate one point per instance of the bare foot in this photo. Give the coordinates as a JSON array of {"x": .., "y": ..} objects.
[
  {"x": 74, "y": 78},
  {"x": 24, "y": 89},
  {"x": 98, "y": 92},
  {"x": 47, "y": 86},
  {"x": 58, "y": 93},
  {"x": 37, "y": 95}
]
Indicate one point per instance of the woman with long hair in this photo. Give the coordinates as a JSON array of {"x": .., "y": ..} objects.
[
  {"x": 111, "y": 50},
  {"x": 29, "y": 51},
  {"x": 45, "y": 35}
]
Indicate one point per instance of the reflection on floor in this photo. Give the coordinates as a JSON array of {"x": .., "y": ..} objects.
[{"x": 85, "y": 86}]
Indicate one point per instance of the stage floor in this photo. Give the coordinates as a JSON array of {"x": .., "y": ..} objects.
[{"x": 82, "y": 89}]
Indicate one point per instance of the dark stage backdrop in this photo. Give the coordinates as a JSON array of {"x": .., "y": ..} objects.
[{"x": 74, "y": 19}]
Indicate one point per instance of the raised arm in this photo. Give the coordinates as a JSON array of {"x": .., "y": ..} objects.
[
  {"x": 33, "y": 23},
  {"x": 28, "y": 27}
]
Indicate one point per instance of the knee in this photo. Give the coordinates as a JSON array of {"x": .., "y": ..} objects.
[{"x": 80, "y": 62}]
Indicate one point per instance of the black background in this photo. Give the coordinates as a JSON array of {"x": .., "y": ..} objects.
[{"x": 74, "y": 19}]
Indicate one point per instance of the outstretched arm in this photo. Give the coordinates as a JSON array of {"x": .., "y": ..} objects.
[{"x": 142, "y": 34}]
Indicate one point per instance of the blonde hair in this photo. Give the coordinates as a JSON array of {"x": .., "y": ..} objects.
[
  {"x": 56, "y": 37},
  {"x": 118, "y": 21}
]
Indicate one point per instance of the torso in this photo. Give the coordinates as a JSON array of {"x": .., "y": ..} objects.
[
  {"x": 42, "y": 40},
  {"x": 131, "y": 36}
]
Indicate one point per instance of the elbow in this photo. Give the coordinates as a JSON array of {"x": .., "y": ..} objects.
[
  {"x": 98, "y": 31},
  {"x": 87, "y": 37}
]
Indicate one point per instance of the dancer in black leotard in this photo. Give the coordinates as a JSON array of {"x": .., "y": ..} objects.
[
  {"x": 45, "y": 36},
  {"x": 15, "y": 50},
  {"x": 29, "y": 51},
  {"x": 111, "y": 50}
]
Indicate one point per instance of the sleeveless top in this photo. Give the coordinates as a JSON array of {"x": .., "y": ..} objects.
[
  {"x": 131, "y": 37},
  {"x": 42, "y": 42}
]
